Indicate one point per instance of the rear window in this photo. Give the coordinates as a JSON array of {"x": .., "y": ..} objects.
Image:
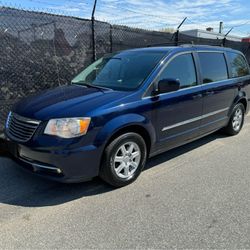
[
  {"x": 213, "y": 66},
  {"x": 238, "y": 64}
]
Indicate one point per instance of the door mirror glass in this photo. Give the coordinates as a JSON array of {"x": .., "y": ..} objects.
[{"x": 168, "y": 85}]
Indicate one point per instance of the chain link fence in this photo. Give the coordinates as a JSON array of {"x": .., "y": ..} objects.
[{"x": 40, "y": 51}]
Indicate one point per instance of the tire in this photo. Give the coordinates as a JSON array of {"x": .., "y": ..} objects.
[
  {"x": 236, "y": 120},
  {"x": 123, "y": 160}
]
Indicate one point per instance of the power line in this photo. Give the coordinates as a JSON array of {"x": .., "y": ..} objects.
[
  {"x": 54, "y": 4},
  {"x": 197, "y": 24},
  {"x": 239, "y": 25},
  {"x": 139, "y": 12},
  {"x": 156, "y": 16},
  {"x": 141, "y": 17},
  {"x": 43, "y": 2}
]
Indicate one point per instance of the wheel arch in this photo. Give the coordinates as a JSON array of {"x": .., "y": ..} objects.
[
  {"x": 123, "y": 124},
  {"x": 244, "y": 102},
  {"x": 135, "y": 128},
  {"x": 240, "y": 99}
]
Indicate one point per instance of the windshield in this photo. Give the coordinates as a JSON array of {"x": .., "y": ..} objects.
[{"x": 120, "y": 71}]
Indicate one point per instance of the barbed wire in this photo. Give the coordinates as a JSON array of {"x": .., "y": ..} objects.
[{"x": 137, "y": 17}]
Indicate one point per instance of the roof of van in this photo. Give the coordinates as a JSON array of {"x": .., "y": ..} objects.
[{"x": 185, "y": 47}]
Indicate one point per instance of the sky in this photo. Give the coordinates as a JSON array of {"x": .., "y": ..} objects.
[{"x": 152, "y": 14}]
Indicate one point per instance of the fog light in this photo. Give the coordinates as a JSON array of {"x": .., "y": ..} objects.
[{"x": 59, "y": 171}]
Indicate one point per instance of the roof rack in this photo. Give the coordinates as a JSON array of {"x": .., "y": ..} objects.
[
  {"x": 184, "y": 44},
  {"x": 201, "y": 45},
  {"x": 166, "y": 43}
]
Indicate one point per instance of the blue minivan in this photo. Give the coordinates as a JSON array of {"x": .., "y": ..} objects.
[{"x": 126, "y": 107}]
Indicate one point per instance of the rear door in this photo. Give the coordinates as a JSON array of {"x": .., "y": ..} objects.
[{"x": 217, "y": 89}]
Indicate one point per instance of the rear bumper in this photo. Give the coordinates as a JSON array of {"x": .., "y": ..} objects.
[{"x": 66, "y": 166}]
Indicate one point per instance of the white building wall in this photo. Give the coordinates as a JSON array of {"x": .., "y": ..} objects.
[{"x": 209, "y": 35}]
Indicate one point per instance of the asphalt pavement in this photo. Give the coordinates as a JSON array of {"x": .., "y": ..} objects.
[{"x": 195, "y": 196}]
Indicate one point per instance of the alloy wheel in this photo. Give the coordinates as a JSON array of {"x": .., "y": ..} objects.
[
  {"x": 237, "y": 119},
  {"x": 127, "y": 159}
]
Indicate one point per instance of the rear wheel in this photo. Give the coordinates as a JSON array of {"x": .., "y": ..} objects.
[
  {"x": 124, "y": 159},
  {"x": 236, "y": 120}
]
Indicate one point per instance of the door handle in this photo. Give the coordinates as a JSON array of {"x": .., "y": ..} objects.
[
  {"x": 240, "y": 84},
  {"x": 210, "y": 92},
  {"x": 198, "y": 96}
]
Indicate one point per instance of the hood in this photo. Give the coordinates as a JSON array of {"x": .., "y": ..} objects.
[{"x": 66, "y": 101}]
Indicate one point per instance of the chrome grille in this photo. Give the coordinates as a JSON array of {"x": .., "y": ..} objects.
[{"x": 19, "y": 128}]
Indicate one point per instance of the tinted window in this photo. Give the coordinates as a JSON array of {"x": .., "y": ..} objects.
[
  {"x": 120, "y": 71},
  {"x": 238, "y": 64},
  {"x": 213, "y": 66},
  {"x": 182, "y": 68}
]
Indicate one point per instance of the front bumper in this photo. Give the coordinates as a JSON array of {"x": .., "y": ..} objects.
[{"x": 68, "y": 166}]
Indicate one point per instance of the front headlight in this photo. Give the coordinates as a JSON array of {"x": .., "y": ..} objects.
[{"x": 68, "y": 127}]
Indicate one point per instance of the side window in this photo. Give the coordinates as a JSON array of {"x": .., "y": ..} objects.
[
  {"x": 238, "y": 65},
  {"x": 213, "y": 66},
  {"x": 182, "y": 68}
]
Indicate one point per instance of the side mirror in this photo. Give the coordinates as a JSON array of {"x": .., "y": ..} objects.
[{"x": 168, "y": 85}]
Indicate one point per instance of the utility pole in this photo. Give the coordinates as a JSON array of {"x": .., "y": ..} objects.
[
  {"x": 221, "y": 27},
  {"x": 93, "y": 30},
  {"x": 176, "y": 34}
]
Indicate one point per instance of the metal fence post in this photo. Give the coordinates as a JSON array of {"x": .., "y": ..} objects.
[
  {"x": 93, "y": 31},
  {"x": 224, "y": 41},
  {"x": 176, "y": 38},
  {"x": 111, "y": 38},
  {"x": 93, "y": 39},
  {"x": 225, "y": 37},
  {"x": 176, "y": 34}
]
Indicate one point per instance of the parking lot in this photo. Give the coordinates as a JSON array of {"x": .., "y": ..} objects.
[{"x": 196, "y": 196}]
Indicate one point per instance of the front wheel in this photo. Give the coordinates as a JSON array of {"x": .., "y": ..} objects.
[
  {"x": 124, "y": 159},
  {"x": 236, "y": 120}
]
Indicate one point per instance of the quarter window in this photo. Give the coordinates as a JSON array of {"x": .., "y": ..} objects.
[
  {"x": 238, "y": 64},
  {"x": 181, "y": 68},
  {"x": 213, "y": 66}
]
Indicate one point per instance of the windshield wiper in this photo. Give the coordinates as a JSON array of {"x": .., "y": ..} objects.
[{"x": 89, "y": 85}]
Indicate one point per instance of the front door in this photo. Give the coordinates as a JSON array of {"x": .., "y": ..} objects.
[{"x": 177, "y": 115}]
